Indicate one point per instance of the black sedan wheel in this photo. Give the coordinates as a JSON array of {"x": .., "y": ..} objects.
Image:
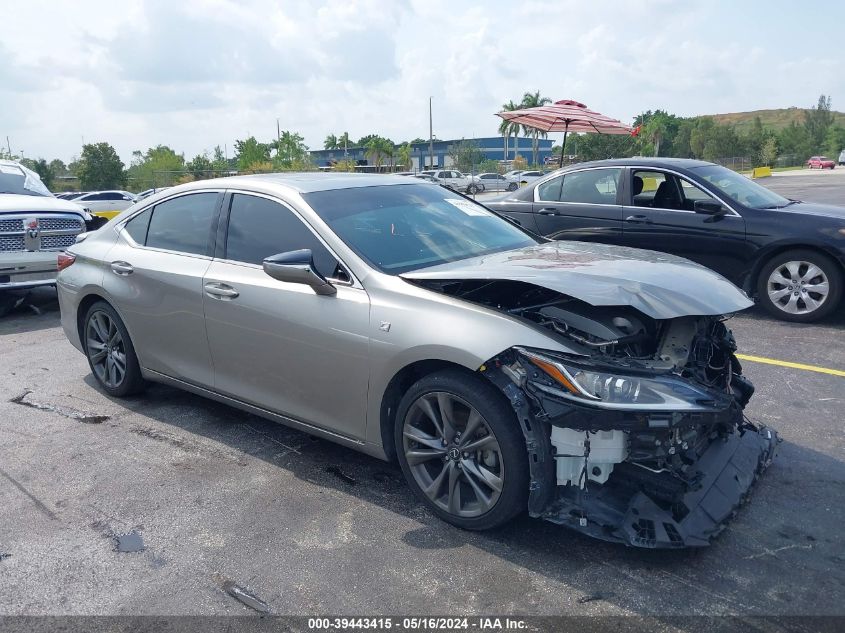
[
  {"x": 462, "y": 451},
  {"x": 110, "y": 353},
  {"x": 800, "y": 286}
]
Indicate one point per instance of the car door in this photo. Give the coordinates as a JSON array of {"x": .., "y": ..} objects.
[
  {"x": 660, "y": 215},
  {"x": 277, "y": 345},
  {"x": 580, "y": 205},
  {"x": 155, "y": 278}
]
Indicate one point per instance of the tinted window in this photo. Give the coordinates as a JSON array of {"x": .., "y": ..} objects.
[
  {"x": 137, "y": 227},
  {"x": 550, "y": 190},
  {"x": 398, "y": 228},
  {"x": 183, "y": 224},
  {"x": 112, "y": 195},
  {"x": 259, "y": 228},
  {"x": 593, "y": 186}
]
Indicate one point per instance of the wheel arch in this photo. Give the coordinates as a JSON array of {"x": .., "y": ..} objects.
[
  {"x": 398, "y": 386},
  {"x": 774, "y": 250}
]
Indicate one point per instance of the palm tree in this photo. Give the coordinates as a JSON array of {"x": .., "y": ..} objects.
[
  {"x": 507, "y": 128},
  {"x": 374, "y": 151},
  {"x": 343, "y": 141},
  {"x": 534, "y": 100},
  {"x": 404, "y": 155},
  {"x": 330, "y": 142},
  {"x": 389, "y": 150}
]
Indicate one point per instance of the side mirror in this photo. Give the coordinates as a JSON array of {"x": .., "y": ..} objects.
[
  {"x": 297, "y": 267},
  {"x": 709, "y": 207}
]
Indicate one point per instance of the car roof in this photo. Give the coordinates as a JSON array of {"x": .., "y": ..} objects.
[
  {"x": 637, "y": 161},
  {"x": 299, "y": 182}
]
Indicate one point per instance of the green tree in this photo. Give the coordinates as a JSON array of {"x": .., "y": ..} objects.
[
  {"x": 508, "y": 128},
  {"x": 817, "y": 121},
  {"x": 200, "y": 166},
  {"x": 375, "y": 150},
  {"x": 330, "y": 142},
  {"x": 290, "y": 150},
  {"x": 100, "y": 168},
  {"x": 59, "y": 168},
  {"x": 534, "y": 100},
  {"x": 466, "y": 155},
  {"x": 769, "y": 151},
  {"x": 602, "y": 146},
  {"x": 249, "y": 152},
  {"x": 795, "y": 142},
  {"x": 218, "y": 160},
  {"x": 343, "y": 141},
  {"x": 44, "y": 171},
  {"x": 159, "y": 166},
  {"x": 364, "y": 141},
  {"x": 834, "y": 141},
  {"x": 403, "y": 155}
]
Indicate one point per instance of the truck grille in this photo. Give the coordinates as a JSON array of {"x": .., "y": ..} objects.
[
  {"x": 11, "y": 243},
  {"x": 53, "y": 232}
]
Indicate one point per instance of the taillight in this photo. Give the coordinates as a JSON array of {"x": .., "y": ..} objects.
[{"x": 65, "y": 260}]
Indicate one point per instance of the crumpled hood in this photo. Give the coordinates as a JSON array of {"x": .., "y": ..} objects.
[
  {"x": 18, "y": 203},
  {"x": 659, "y": 285}
]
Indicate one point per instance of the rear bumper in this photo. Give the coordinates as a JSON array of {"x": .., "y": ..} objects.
[
  {"x": 28, "y": 269},
  {"x": 728, "y": 470}
]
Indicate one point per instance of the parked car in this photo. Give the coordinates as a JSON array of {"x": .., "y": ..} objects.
[
  {"x": 513, "y": 174},
  {"x": 592, "y": 386},
  {"x": 456, "y": 180},
  {"x": 146, "y": 193},
  {"x": 529, "y": 176},
  {"x": 106, "y": 204},
  {"x": 842, "y": 157},
  {"x": 35, "y": 227},
  {"x": 69, "y": 195},
  {"x": 790, "y": 254},
  {"x": 495, "y": 182},
  {"x": 820, "y": 162}
]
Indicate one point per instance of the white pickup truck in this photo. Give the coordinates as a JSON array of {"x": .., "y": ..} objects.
[{"x": 35, "y": 227}]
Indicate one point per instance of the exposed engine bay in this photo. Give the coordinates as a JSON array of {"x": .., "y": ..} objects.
[{"x": 639, "y": 435}]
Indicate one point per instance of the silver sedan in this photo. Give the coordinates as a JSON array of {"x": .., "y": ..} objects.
[{"x": 503, "y": 371}]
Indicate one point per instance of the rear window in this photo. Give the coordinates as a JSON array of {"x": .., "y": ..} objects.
[{"x": 183, "y": 224}]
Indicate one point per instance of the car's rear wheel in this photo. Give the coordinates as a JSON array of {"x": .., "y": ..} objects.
[
  {"x": 513, "y": 186},
  {"x": 110, "y": 352},
  {"x": 800, "y": 286},
  {"x": 462, "y": 451},
  {"x": 472, "y": 190}
]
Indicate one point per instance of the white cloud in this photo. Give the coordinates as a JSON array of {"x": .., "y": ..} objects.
[{"x": 198, "y": 73}]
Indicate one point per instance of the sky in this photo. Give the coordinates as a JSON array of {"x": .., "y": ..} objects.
[{"x": 193, "y": 74}]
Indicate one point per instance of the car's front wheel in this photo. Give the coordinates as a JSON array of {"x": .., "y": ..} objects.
[
  {"x": 462, "y": 450},
  {"x": 800, "y": 286},
  {"x": 513, "y": 186},
  {"x": 473, "y": 189},
  {"x": 110, "y": 352}
]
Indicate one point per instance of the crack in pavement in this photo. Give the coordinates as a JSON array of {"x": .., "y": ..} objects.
[
  {"x": 38, "y": 503},
  {"x": 73, "y": 414}
]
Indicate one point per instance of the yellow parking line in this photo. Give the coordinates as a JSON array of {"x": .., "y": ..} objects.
[{"x": 784, "y": 363}]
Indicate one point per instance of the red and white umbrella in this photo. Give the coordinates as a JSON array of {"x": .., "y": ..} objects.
[{"x": 566, "y": 116}]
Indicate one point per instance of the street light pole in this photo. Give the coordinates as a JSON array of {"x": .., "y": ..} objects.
[{"x": 430, "y": 137}]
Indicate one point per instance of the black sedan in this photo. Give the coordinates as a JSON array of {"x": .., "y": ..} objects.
[{"x": 790, "y": 254}]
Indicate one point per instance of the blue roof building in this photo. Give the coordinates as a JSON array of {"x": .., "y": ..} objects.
[{"x": 492, "y": 148}]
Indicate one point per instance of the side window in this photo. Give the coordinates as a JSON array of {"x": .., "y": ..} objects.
[
  {"x": 692, "y": 193},
  {"x": 259, "y": 228},
  {"x": 592, "y": 186},
  {"x": 183, "y": 224},
  {"x": 549, "y": 191},
  {"x": 137, "y": 227},
  {"x": 111, "y": 195},
  {"x": 644, "y": 186}
]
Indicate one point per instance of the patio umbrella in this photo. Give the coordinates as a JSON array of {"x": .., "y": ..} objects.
[{"x": 565, "y": 116}]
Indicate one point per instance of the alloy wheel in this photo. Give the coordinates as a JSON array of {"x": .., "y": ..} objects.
[
  {"x": 798, "y": 287},
  {"x": 106, "y": 349},
  {"x": 453, "y": 454}
]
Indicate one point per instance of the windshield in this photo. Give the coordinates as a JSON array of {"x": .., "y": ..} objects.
[
  {"x": 397, "y": 228},
  {"x": 741, "y": 189},
  {"x": 18, "y": 179}
]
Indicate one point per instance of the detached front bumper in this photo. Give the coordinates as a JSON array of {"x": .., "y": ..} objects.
[{"x": 728, "y": 470}]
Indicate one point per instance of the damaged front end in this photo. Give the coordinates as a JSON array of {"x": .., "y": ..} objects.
[{"x": 640, "y": 437}]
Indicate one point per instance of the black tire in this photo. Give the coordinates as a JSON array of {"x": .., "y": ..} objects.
[
  {"x": 131, "y": 381},
  {"x": 513, "y": 186},
  {"x": 472, "y": 190},
  {"x": 508, "y": 461},
  {"x": 829, "y": 269}
]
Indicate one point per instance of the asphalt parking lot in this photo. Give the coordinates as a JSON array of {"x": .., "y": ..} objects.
[{"x": 309, "y": 527}]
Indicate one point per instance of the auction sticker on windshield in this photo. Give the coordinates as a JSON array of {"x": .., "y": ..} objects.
[{"x": 470, "y": 208}]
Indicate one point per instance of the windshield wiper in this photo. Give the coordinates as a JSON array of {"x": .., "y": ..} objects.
[{"x": 781, "y": 206}]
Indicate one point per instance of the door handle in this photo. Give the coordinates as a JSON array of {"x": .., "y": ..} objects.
[
  {"x": 549, "y": 211},
  {"x": 122, "y": 268},
  {"x": 220, "y": 291},
  {"x": 638, "y": 219}
]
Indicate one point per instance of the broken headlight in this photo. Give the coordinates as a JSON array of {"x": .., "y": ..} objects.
[{"x": 615, "y": 390}]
